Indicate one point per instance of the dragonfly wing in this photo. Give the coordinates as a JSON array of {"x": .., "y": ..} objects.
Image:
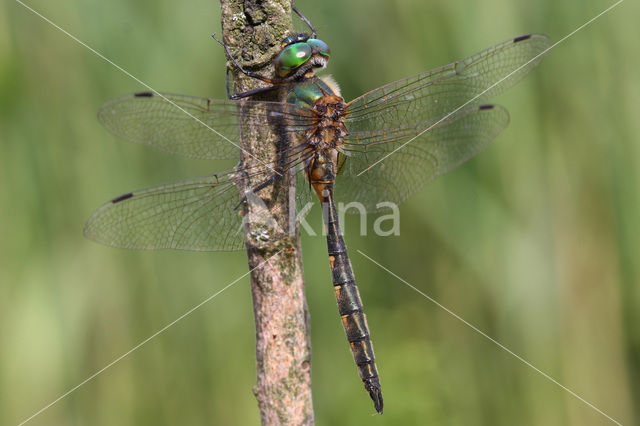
[
  {"x": 441, "y": 91},
  {"x": 393, "y": 172},
  {"x": 305, "y": 197},
  {"x": 190, "y": 126},
  {"x": 422, "y": 126},
  {"x": 202, "y": 214},
  {"x": 195, "y": 214}
]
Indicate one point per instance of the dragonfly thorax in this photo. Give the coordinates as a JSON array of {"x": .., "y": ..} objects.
[
  {"x": 328, "y": 131},
  {"x": 324, "y": 139}
]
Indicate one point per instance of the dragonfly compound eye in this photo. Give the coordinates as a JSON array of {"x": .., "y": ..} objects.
[
  {"x": 319, "y": 46},
  {"x": 292, "y": 57}
]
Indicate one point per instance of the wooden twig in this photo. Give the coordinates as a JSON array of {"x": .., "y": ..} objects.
[{"x": 253, "y": 31}]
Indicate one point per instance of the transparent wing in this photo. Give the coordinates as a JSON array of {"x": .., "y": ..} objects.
[
  {"x": 305, "y": 197},
  {"x": 385, "y": 119},
  {"x": 201, "y": 214},
  {"x": 194, "y": 214},
  {"x": 435, "y": 93},
  {"x": 444, "y": 147},
  {"x": 190, "y": 126}
]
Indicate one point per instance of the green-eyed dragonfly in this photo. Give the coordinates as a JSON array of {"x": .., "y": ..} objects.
[{"x": 402, "y": 135}]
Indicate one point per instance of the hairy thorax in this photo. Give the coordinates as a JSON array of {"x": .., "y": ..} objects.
[
  {"x": 324, "y": 140},
  {"x": 329, "y": 130}
]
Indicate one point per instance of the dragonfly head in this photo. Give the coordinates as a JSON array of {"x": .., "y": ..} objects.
[{"x": 301, "y": 54}]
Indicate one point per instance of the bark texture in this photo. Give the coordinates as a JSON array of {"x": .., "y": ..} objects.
[{"x": 253, "y": 30}]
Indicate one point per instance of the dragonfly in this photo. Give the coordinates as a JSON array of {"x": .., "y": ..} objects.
[{"x": 382, "y": 146}]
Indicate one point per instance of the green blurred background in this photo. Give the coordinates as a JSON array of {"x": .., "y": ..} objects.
[{"x": 535, "y": 241}]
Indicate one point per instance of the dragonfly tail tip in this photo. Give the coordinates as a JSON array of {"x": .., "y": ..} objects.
[{"x": 373, "y": 387}]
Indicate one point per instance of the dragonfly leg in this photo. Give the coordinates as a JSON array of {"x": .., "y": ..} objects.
[
  {"x": 273, "y": 82},
  {"x": 266, "y": 183},
  {"x": 304, "y": 19},
  {"x": 235, "y": 96},
  {"x": 257, "y": 188}
]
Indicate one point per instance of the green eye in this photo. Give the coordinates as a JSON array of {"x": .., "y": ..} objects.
[
  {"x": 319, "y": 46},
  {"x": 293, "y": 56}
]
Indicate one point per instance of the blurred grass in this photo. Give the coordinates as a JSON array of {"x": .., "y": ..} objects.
[{"x": 535, "y": 241}]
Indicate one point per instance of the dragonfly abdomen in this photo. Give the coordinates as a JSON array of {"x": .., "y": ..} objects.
[
  {"x": 350, "y": 304},
  {"x": 356, "y": 328}
]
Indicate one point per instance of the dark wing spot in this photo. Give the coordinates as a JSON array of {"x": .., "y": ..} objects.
[
  {"x": 485, "y": 107},
  {"x": 122, "y": 197},
  {"x": 143, "y": 95},
  {"x": 522, "y": 38}
]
